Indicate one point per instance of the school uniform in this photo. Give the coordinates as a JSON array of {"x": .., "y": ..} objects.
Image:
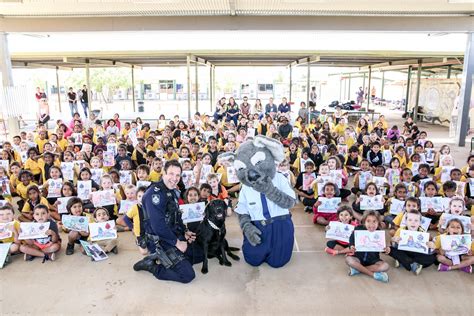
[
  {"x": 365, "y": 258},
  {"x": 406, "y": 258}
]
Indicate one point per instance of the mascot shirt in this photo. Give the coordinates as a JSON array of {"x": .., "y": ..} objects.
[{"x": 250, "y": 202}]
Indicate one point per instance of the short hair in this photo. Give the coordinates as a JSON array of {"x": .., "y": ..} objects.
[
  {"x": 345, "y": 208},
  {"x": 212, "y": 176},
  {"x": 414, "y": 200},
  {"x": 172, "y": 163},
  {"x": 205, "y": 186},
  {"x": 40, "y": 206},
  {"x": 144, "y": 167},
  {"x": 449, "y": 186},
  {"x": 7, "y": 206}
]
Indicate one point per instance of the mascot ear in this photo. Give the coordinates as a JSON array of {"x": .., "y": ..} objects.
[{"x": 273, "y": 145}]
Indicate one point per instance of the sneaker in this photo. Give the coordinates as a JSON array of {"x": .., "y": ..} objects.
[
  {"x": 69, "y": 249},
  {"x": 308, "y": 209},
  {"x": 416, "y": 268},
  {"x": 381, "y": 276},
  {"x": 27, "y": 257},
  {"x": 331, "y": 251},
  {"x": 115, "y": 250},
  {"x": 120, "y": 229},
  {"x": 467, "y": 269},
  {"x": 397, "y": 264},
  {"x": 353, "y": 271},
  {"x": 443, "y": 268}
]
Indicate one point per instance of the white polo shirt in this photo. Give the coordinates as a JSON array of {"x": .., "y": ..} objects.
[{"x": 251, "y": 204}]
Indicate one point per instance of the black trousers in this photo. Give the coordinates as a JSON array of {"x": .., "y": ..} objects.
[{"x": 406, "y": 258}]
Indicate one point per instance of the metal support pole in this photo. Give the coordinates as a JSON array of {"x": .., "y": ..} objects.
[
  {"x": 308, "y": 83},
  {"x": 449, "y": 72},
  {"x": 466, "y": 91},
  {"x": 214, "y": 83},
  {"x": 291, "y": 83},
  {"x": 368, "y": 88},
  {"x": 188, "y": 69},
  {"x": 211, "y": 92},
  {"x": 59, "y": 89},
  {"x": 408, "y": 88},
  {"x": 363, "y": 83},
  {"x": 418, "y": 84},
  {"x": 7, "y": 81},
  {"x": 383, "y": 84},
  {"x": 133, "y": 89},
  {"x": 308, "y": 88},
  {"x": 349, "y": 88},
  {"x": 196, "y": 86},
  {"x": 340, "y": 88},
  {"x": 88, "y": 81}
]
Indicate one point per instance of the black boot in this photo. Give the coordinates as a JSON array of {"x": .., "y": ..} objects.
[{"x": 146, "y": 265}]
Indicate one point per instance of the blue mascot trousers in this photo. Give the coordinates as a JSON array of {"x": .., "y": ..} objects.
[{"x": 276, "y": 246}]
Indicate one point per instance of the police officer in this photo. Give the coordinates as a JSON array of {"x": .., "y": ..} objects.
[{"x": 167, "y": 239}]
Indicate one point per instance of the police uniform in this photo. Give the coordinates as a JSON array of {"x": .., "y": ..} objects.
[
  {"x": 162, "y": 219},
  {"x": 273, "y": 221}
]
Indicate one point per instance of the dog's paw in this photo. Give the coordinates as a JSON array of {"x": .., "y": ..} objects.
[
  {"x": 228, "y": 264},
  {"x": 204, "y": 270},
  {"x": 221, "y": 262},
  {"x": 235, "y": 257}
]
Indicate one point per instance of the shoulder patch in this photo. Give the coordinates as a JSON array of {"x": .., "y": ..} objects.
[{"x": 155, "y": 199}]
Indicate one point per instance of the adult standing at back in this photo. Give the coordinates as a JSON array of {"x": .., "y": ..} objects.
[
  {"x": 72, "y": 98},
  {"x": 312, "y": 99},
  {"x": 85, "y": 100}
]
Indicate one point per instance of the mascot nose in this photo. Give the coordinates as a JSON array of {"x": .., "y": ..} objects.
[{"x": 253, "y": 175}]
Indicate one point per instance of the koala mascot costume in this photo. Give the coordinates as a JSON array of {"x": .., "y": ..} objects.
[{"x": 264, "y": 202}]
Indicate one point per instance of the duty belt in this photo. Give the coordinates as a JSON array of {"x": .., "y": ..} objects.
[{"x": 266, "y": 222}]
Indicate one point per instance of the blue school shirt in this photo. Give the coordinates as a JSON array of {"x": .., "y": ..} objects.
[{"x": 250, "y": 202}]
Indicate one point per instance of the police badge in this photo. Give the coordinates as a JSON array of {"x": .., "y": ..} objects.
[{"x": 155, "y": 199}]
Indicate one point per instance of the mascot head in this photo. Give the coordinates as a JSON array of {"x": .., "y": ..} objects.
[{"x": 256, "y": 158}]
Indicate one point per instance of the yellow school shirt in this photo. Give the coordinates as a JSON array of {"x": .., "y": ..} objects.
[
  {"x": 173, "y": 156},
  {"x": 62, "y": 144},
  {"x": 134, "y": 215},
  {"x": 27, "y": 207},
  {"x": 16, "y": 227},
  {"x": 398, "y": 219},
  {"x": 21, "y": 189},
  {"x": 155, "y": 176},
  {"x": 40, "y": 143},
  {"x": 33, "y": 166}
]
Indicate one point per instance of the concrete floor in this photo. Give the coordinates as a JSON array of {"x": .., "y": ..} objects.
[{"x": 313, "y": 282}]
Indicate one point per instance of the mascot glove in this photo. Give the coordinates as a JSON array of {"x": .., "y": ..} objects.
[
  {"x": 263, "y": 185},
  {"x": 250, "y": 230}
]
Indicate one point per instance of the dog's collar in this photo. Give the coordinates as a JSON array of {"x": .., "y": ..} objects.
[{"x": 213, "y": 225}]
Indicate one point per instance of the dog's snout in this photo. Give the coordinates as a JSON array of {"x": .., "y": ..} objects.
[{"x": 253, "y": 175}]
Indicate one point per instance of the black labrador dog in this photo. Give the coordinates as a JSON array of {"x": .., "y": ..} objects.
[{"x": 210, "y": 235}]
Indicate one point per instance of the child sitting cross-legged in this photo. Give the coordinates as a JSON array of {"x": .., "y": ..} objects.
[
  {"x": 46, "y": 247},
  {"x": 368, "y": 263}
]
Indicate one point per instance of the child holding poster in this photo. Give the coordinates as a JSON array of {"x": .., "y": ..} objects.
[
  {"x": 34, "y": 198},
  {"x": 456, "y": 208},
  {"x": 458, "y": 262},
  {"x": 101, "y": 215},
  {"x": 10, "y": 229},
  {"x": 134, "y": 221},
  {"x": 410, "y": 260},
  {"x": 75, "y": 208},
  {"x": 368, "y": 263},
  {"x": 371, "y": 191},
  {"x": 322, "y": 218},
  {"x": 42, "y": 247},
  {"x": 338, "y": 247}
]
